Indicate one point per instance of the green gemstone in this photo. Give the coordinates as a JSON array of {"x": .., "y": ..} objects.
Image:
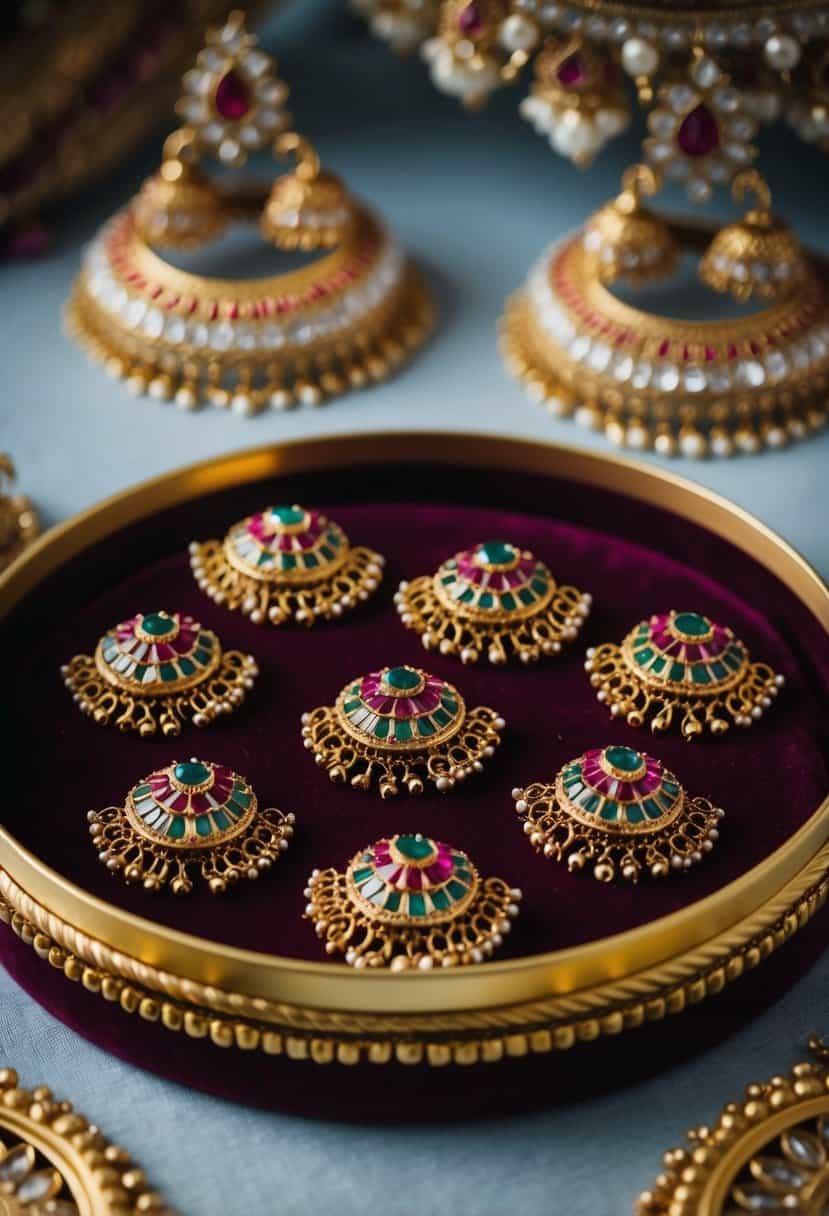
[
  {"x": 403, "y": 679},
  {"x": 651, "y": 809},
  {"x": 467, "y": 596},
  {"x": 677, "y": 673},
  {"x": 157, "y": 625},
  {"x": 719, "y": 671},
  {"x": 440, "y": 900},
  {"x": 539, "y": 586},
  {"x": 138, "y": 672},
  {"x": 425, "y": 727},
  {"x": 140, "y": 791},
  {"x": 186, "y": 667},
  {"x": 168, "y": 672},
  {"x": 191, "y": 772},
  {"x": 202, "y": 656},
  {"x": 288, "y": 516},
  {"x": 635, "y": 814},
  {"x": 203, "y": 826},
  {"x": 508, "y": 601},
  {"x": 393, "y": 901},
  {"x": 176, "y": 828},
  {"x": 495, "y": 553},
  {"x": 414, "y": 848},
  {"x": 288, "y": 561},
  {"x": 642, "y": 656},
  {"x": 403, "y": 731},
  {"x": 627, "y": 759},
  {"x": 381, "y": 730},
  {"x": 486, "y": 599},
  {"x": 456, "y": 889},
  {"x": 221, "y": 820},
  {"x": 362, "y": 875},
  {"x": 692, "y": 624},
  {"x": 700, "y": 674},
  {"x": 526, "y": 596},
  {"x": 417, "y": 904},
  {"x": 609, "y": 811}
]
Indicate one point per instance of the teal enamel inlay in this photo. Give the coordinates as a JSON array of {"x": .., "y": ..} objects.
[
  {"x": 508, "y": 601},
  {"x": 626, "y": 759},
  {"x": 402, "y": 679},
  {"x": 417, "y": 904},
  {"x": 449, "y": 704},
  {"x": 289, "y": 516},
  {"x": 202, "y": 656},
  {"x": 206, "y": 641},
  {"x": 138, "y": 672},
  {"x": 441, "y": 717},
  {"x": 140, "y": 791},
  {"x": 651, "y": 809},
  {"x": 381, "y": 730},
  {"x": 609, "y": 811},
  {"x": 440, "y": 899},
  {"x": 265, "y": 558},
  {"x": 634, "y": 813},
  {"x": 168, "y": 672},
  {"x": 590, "y": 802},
  {"x": 658, "y": 665},
  {"x": 526, "y": 596},
  {"x": 699, "y": 674},
  {"x": 670, "y": 787},
  {"x": 156, "y": 625},
  {"x": 221, "y": 820},
  {"x": 495, "y": 553},
  {"x": 327, "y": 553},
  {"x": 187, "y": 667},
  {"x": 447, "y": 579},
  {"x": 677, "y": 673},
  {"x": 456, "y": 889},
  {"x": 361, "y": 875},
  {"x": 643, "y": 656},
  {"x": 486, "y": 599},
  {"x": 691, "y": 624},
  {"x": 176, "y": 828},
  {"x": 403, "y": 731},
  {"x": 203, "y": 827},
  {"x": 191, "y": 772},
  {"x": 288, "y": 561},
  {"x": 392, "y": 901},
  {"x": 467, "y": 596},
  {"x": 539, "y": 586},
  {"x": 352, "y": 706},
  {"x": 414, "y": 848},
  {"x": 241, "y": 795},
  {"x": 425, "y": 727},
  {"x": 719, "y": 670},
  {"x": 311, "y": 561}
]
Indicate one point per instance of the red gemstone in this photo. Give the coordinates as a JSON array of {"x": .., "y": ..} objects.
[
  {"x": 572, "y": 71},
  {"x": 699, "y": 134},
  {"x": 232, "y": 98},
  {"x": 470, "y": 19}
]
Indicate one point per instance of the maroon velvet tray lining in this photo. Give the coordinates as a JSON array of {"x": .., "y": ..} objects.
[{"x": 633, "y": 558}]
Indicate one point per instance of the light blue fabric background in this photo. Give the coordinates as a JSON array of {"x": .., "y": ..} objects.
[{"x": 476, "y": 199}]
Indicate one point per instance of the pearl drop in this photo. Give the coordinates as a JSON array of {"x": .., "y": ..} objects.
[
  {"x": 782, "y": 52},
  {"x": 518, "y": 33},
  {"x": 639, "y": 58}
]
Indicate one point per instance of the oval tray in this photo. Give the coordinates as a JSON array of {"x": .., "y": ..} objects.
[{"x": 246, "y": 972}]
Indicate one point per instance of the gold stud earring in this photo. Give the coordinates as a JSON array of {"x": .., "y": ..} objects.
[
  {"x": 190, "y": 819},
  {"x": 158, "y": 670},
  {"x": 622, "y": 813},
  {"x": 682, "y": 668},
  {"x": 494, "y": 600},
  {"x": 286, "y": 564}
]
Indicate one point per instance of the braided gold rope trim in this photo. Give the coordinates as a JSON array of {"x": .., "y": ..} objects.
[{"x": 251, "y": 1023}]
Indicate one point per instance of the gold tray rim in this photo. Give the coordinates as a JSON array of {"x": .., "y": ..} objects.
[{"x": 327, "y": 985}]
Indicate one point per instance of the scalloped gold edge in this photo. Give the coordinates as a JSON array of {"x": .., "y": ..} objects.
[{"x": 487, "y": 1035}]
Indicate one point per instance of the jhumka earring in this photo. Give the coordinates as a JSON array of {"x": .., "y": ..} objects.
[
  {"x": 495, "y": 600},
  {"x": 682, "y": 667},
  {"x": 159, "y": 669},
  {"x": 347, "y": 318},
  {"x": 410, "y": 903},
  {"x": 404, "y": 727},
  {"x": 285, "y": 564},
  {"x": 190, "y": 818},
  {"x": 622, "y": 812},
  {"x": 19, "y": 523}
]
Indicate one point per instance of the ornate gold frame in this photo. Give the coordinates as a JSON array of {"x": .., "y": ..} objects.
[{"x": 327, "y": 1012}]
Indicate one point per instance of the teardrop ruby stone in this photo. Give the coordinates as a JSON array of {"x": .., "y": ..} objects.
[
  {"x": 232, "y": 98},
  {"x": 699, "y": 134},
  {"x": 470, "y": 20},
  {"x": 572, "y": 71}
]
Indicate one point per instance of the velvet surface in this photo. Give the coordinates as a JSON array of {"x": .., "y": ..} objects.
[{"x": 634, "y": 559}]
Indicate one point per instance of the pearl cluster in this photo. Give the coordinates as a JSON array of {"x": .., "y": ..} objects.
[
  {"x": 574, "y": 133},
  {"x": 138, "y": 314},
  {"x": 470, "y": 77}
]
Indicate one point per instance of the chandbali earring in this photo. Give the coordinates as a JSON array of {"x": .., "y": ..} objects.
[
  {"x": 159, "y": 670},
  {"x": 622, "y": 812},
  {"x": 410, "y": 903},
  {"x": 494, "y": 599},
  {"x": 682, "y": 668},
  {"x": 190, "y": 819},
  {"x": 347, "y": 318}
]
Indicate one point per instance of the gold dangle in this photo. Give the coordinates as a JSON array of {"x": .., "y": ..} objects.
[{"x": 626, "y": 239}]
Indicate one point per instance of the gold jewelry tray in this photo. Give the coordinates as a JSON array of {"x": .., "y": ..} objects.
[{"x": 325, "y": 1011}]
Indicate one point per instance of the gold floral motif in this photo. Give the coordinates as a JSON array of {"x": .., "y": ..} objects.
[
  {"x": 54, "y": 1163},
  {"x": 768, "y": 1153}
]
